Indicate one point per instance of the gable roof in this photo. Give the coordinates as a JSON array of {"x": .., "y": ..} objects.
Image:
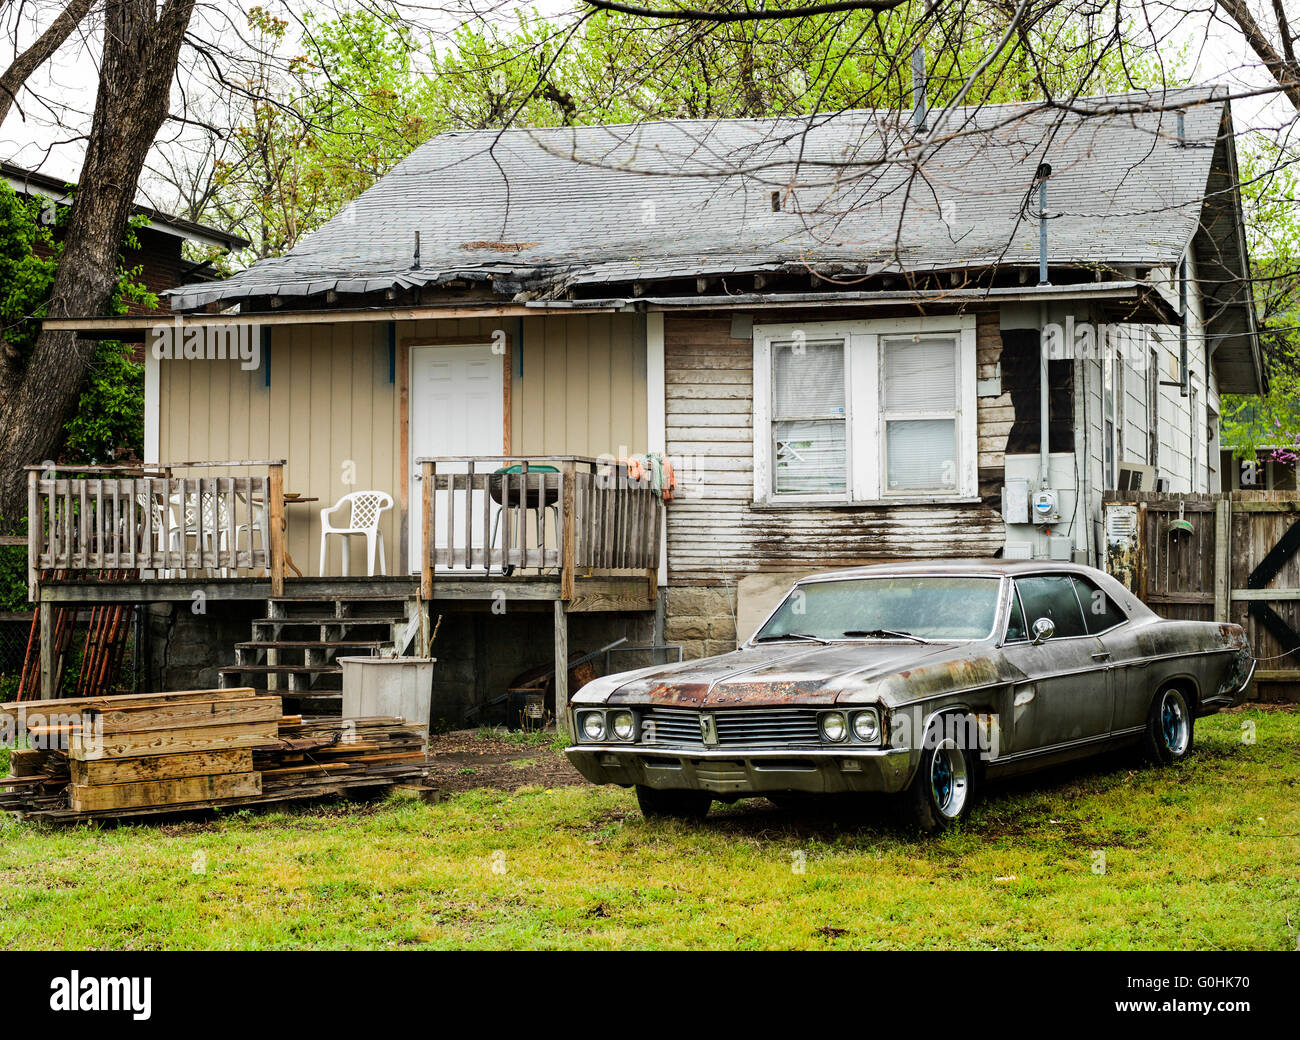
[
  {"x": 28, "y": 182},
  {"x": 550, "y": 211}
]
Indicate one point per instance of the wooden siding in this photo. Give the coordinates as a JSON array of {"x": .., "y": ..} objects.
[
  {"x": 715, "y": 532},
  {"x": 577, "y": 387}
]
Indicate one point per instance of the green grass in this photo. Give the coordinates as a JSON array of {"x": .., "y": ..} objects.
[{"x": 1202, "y": 855}]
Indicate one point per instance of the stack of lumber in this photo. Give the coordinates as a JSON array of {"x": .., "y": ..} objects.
[
  {"x": 325, "y": 755},
  {"x": 150, "y": 753}
]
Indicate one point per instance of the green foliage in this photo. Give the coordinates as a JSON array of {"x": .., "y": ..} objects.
[
  {"x": 1271, "y": 424},
  {"x": 369, "y": 90}
]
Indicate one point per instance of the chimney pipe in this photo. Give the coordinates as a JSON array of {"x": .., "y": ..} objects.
[
  {"x": 415, "y": 266},
  {"x": 918, "y": 90},
  {"x": 1044, "y": 171}
]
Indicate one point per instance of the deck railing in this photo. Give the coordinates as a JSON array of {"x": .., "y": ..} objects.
[
  {"x": 144, "y": 518},
  {"x": 566, "y": 513}
]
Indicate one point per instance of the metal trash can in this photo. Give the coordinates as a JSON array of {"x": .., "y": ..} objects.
[{"x": 388, "y": 686}]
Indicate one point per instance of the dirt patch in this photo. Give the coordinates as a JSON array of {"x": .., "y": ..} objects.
[{"x": 465, "y": 759}]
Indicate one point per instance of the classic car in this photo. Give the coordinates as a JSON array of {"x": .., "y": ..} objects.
[{"x": 918, "y": 680}]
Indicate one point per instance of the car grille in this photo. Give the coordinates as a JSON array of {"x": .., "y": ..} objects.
[{"x": 737, "y": 727}]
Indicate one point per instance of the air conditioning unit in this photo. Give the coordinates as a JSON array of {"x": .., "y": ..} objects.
[{"x": 1136, "y": 477}]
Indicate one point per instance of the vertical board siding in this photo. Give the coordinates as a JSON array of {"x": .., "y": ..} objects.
[
  {"x": 715, "y": 534},
  {"x": 330, "y": 405}
]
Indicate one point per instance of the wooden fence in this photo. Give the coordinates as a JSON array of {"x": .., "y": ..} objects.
[
  {"x": 113, "y": 518},
  {"x": 565, "y": 513},
  {"x": 1227, "y": 557}
]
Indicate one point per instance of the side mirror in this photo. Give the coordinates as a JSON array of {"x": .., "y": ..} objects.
[{"x": 1044, "y": 629}]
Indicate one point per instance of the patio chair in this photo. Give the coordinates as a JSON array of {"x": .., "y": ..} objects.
[
  {"x": 540, "y": 496},
  {"x": 363, "y": 518}
]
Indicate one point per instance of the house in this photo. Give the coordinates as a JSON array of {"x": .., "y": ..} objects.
[
  {"x": 846, "y": 360},
  {"x": 160, "y": 256}
]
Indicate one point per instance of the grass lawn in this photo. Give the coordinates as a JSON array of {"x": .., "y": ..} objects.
[{"x": 1201, "y": 855}]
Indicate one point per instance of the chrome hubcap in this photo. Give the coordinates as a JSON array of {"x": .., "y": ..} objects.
[
  {"x": 1175, "y": 724},
  {"x": 948, "y": 781}
]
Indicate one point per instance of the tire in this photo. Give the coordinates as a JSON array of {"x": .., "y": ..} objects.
[
  {"x": 673, "y": 805},
  {"x": 943, "y": 789},
  {"x": 1171, "y": 727}
]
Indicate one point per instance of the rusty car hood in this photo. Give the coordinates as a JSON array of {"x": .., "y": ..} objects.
[{"x": 789, "y": 673}]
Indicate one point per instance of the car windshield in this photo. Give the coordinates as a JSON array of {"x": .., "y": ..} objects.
[{"x": 920, "y": 608}]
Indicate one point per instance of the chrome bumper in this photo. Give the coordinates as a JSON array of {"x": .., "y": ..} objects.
[{"x": 739, "y": 773}]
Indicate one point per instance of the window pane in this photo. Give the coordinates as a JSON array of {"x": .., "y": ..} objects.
[
  {"x": 807, "y": 379},
  {"x": 809, "y": 455},
  {"x": 1099, "y": 610},
  {"x": 1016, "y": 632},
  {"x": 1052, "y": 597},
  {"x": 920, "y": 375},
  {"x": 921, "y": 454}
]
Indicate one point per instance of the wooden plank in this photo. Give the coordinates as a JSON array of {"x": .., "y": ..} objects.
[
  {"x": 275, "y": 521},
  {"x": 427, "y": 475},
  {"x": 142, "y": 718},
  {"x": 175, "y": 741},
  {"x": 162, "y": 767},
  {"x": 84, "y": 798},
  {"x": 79, "y": 705},
  {"x": 568, "y": 471}
]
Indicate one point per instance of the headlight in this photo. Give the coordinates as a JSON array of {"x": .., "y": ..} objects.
[
  {"x": 623, "y": 725},
  {"x": 834, "y": 728},
  {"x": 866, "y": 726},
  {"x": 593, "y": 725}
]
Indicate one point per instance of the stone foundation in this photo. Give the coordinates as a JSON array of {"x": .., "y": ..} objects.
[
  {"x": 185, "y": 649},
  {"x": 701, "y": 618}
]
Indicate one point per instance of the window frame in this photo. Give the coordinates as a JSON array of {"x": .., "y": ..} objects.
[{"x": 865, "y": 459}]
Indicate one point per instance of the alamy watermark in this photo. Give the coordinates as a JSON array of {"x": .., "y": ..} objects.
[{"x": 222, "y": 341}]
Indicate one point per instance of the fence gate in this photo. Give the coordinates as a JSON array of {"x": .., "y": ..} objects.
[{"x": 1229, "y": 557}]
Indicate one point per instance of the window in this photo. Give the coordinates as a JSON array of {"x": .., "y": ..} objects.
[
  {"x": 919, "y": 387},
  {"x": 809, "y": 443},
  {"x": 866, "y": 411},
  {"x": 1052, "y": 596},
  {"x": 1099, "y": 611},
  {"x": 1016, "y": 631}
]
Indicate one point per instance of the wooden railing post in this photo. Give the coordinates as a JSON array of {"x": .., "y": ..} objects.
[
  {"x": 568, "y": 482},
  {"x": 34, "y": 527},
  {"x": 428, "y": 474},
  {"x": 275, "y": 516}
]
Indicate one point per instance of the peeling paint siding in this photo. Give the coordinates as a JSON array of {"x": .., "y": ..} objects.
[{"x": 716, "y": 535}]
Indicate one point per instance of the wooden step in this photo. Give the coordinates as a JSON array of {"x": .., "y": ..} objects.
[
  {"x": 329, "y": 619},
  {"x": 281, "y": 669},
  {"x": 309, "y": 644}
]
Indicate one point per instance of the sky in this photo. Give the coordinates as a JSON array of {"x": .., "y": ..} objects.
[{"x": 65, "y": 87}]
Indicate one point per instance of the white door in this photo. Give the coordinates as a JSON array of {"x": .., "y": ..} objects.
[{"x": 456, "y": 408}]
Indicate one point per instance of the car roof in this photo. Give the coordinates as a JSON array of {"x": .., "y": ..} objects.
[{"x": 993, "y": 568}]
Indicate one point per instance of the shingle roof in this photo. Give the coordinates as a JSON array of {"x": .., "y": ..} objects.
[{"x": 553, "y": 209}]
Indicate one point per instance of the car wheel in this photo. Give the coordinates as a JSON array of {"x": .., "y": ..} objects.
[
  {"x": 677, "y": 805},
  {"x": 943, "y": 788},
  {"x": 1171, "y": 727}
]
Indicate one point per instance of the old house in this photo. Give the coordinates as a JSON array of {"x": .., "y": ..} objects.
[{"x": 844, "y": 359}]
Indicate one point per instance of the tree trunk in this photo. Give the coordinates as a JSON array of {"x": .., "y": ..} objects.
[
  {"x": 36, "y": 55},
  {"x": 139, "y": 61},
  {"x": 1284, "y": 67}
]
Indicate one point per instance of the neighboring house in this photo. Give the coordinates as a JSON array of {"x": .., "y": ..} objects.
[
  {"x": 836, "y": 381},
  {"x": 159, "y": 257}
]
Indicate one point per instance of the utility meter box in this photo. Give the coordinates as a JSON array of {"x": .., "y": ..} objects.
[{"x": 1043, "y": 507}]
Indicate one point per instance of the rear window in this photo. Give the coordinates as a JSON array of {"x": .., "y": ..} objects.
[
  {"x": 1099, "y": 611},
  {"x": 1052, "y": 596}
]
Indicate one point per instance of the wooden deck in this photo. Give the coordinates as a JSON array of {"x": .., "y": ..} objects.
[{"x": 460, "y": 591}]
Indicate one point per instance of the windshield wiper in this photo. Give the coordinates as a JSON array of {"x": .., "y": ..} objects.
[
  {"x": 877, "y": 633},
  {"x": 791, "y": 635}
]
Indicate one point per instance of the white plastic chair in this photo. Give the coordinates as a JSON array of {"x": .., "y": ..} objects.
[{"x": 366, "y": 507}]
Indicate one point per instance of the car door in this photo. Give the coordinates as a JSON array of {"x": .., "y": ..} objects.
[
  {"x": 1124, "y": 661},
  {"x": 1067, "y": 700}
]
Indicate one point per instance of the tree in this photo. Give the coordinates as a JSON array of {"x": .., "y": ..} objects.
[
  {"x": 39, "y": 394},
  {"x": 24, "y": 64}
]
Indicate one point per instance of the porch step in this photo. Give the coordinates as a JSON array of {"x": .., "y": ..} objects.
[
  {"x": 331, "y": 619},
  {"x": 280, "y": 669},
  {"x": 310, "y": 644}
]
